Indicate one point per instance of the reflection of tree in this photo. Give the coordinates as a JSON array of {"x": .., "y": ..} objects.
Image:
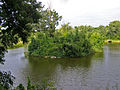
[
  {"x": 76, "y": 62},
  {"x": 112, "y": 50},
  {"x": 48, "y": 65},
  {"x": 40, "y": 69},
  {"x": 98, "y": 55},
  {"x": 72, "y": 71},
  {"x": 48, "y": 68},
  {"x": 64, "y": 71}
]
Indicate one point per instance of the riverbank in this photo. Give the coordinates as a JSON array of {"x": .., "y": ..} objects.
[
  {"x": 18, "y": 45},
  {"x": 112, "y": 41}
]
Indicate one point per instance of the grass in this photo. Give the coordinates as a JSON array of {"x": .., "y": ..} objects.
[{"x": 18, "y": 45}]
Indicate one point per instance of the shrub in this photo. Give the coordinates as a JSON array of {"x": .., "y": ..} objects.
[{"x": 72, "y": 43}]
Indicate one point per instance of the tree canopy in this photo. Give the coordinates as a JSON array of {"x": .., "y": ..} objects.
[
  {"x": 48, "y": 22},
  {"x": 114, "y": 30},
  {"x": 15, "y": 19}
]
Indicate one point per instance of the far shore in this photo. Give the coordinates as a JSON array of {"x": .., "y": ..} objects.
[{"x": 112, "y": 41}]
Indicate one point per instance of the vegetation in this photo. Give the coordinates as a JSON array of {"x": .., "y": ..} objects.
[
  {"x": 6, "y": 80},
  {"x": 19, "y": 44},
  {"x": 73, "y": 42},
  {"x": 48, "y": 22},
  {"x": 7, "y": 84},
  {"x": 67, "y": 42},
  {"x": 15, "y": 19},
  {"x": 21, "y": 18},
  {"x": 113, "y": 30}
]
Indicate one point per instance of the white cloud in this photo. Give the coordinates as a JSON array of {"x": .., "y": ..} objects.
[{"x": 87, "y": 12}]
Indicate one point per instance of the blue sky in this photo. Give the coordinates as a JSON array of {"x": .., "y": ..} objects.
[{"x": 86, "y": 12}]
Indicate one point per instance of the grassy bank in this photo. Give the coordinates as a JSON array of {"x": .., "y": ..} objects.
[
  {"x": 112, "y": 41},
  {"x": 18, "y": 45}
]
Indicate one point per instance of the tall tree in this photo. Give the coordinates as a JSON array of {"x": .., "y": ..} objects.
[
  {"x": 15, "y": 19},
  {"x": 48, "y": 22}
]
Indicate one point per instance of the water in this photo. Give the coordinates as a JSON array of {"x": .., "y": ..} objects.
[{"x": 100, "y": 71}]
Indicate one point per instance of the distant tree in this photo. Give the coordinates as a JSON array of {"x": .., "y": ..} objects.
[
  {"x": 102, "y": 30},
  {"x": 64, "y": 29},
  {"x": 114, "y": 30},
  {"x": 48, "y": 23}
]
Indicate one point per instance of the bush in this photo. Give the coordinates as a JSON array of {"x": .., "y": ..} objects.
[
  {"x": 97, "y": 41},
  {"x": 71, "y": 43}
]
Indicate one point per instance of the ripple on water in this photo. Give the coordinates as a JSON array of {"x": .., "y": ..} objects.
[{"x": 100, "y": 71}]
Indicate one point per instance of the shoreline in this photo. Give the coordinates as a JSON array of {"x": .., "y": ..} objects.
[{"x": 112, "y": 41}]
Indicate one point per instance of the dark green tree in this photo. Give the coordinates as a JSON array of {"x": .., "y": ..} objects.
[{"x": 15, "y": 19}]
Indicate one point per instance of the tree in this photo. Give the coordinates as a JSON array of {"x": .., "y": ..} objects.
[
  {"x": 48, "y": 22},
  {"x": 15, "y": 19},
  {"x": 114, "y": 30}
]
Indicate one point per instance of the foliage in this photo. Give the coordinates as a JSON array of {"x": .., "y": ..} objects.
[
  {"x": 48, "y": 22},
  {"x": 67, "y": 42},
  {"x": 97, "y": 41},
  {"x": 20, "y": 87},
  {"x": 95, "y": 36},
  {"x": 15, "y": 19},
  {"x": 19, "y": 44},
  {"x": 45, "y": 85},
  {"x": 40, "y": 44},
  {"x": 6, "y": 80},
  {"x": 114, "y": 30}
]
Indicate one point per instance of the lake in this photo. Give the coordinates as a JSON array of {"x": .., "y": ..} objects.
[{"x": 100, "y": 71}]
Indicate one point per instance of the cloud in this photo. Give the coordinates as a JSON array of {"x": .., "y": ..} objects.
[
  {"x": 90, "y": 12},
  {"x": 64, "y": 1},
  {"x": 96, "y": 18}
]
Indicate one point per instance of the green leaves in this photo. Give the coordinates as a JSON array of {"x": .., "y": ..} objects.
[
  {"x": 48, "y": 22},
  {"x": 114, "y": 30},
  {"x": 72, "y": 44},
  {"x": 97, "y": 41},
  {"x": 16, "y": 17}
]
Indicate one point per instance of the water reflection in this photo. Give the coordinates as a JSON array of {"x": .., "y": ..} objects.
[
  {"x": 100, "y": 71},
  {"x": 67, "y": 72}
]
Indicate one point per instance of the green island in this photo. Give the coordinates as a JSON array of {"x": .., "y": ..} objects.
[
  {"x": 73, "y": 42},
  {"x": 66, "y": 42}
]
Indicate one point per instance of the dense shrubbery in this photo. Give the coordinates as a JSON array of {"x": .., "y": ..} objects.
[
  {"x": 113, "y": 30},
  {"x": 66, "y": 42},
  {"x": 73, "y": 42},
  {"x": 97, "y": 41},
  {"x": 7, "y": 84}
]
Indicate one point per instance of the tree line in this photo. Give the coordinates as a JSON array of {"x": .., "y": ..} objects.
[{"x": 72, "y": 42}]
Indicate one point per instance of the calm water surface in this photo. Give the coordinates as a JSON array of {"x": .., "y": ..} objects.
[{"x": 100, "y": 71}]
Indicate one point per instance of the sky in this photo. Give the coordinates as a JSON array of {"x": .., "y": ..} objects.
[{"x": 86, "y": 12}]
